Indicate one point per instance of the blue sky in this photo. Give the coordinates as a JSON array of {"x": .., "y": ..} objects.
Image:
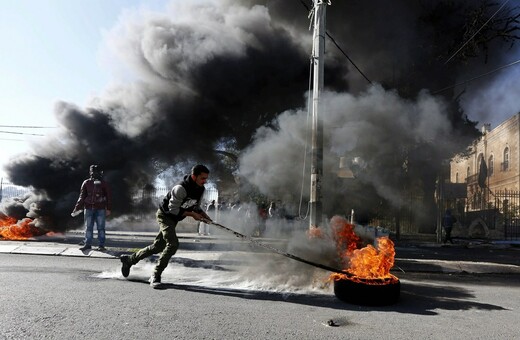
[{"x": 51, "y": 51}]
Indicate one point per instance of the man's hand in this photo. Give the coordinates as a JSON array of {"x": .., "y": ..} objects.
[
  {"x": 206, "y": 220},
  {"x": 199, "y": 217}
]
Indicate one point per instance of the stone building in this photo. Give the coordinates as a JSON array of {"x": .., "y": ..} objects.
[{"x": 491, "y": 172}]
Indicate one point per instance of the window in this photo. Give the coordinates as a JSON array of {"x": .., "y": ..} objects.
[
  {"x": 467, "y": 173},
  {"x": 490, "y": 166},
  {"x": 457, "y": 177},
  {"x": 505, "y": 164}
]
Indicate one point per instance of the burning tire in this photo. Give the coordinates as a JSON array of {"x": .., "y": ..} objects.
[{"x": 368, "y": 292}]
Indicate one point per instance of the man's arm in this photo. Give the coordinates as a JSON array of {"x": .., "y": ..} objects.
[
  {"x": 81, "y": 199},
  {"x": 108, "y": 195},
  {"x": 178, "y": 194}
]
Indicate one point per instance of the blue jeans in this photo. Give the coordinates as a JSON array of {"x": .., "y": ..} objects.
[{"x": 97, "y": 216}]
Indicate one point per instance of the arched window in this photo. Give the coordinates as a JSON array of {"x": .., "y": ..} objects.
[
  {"x": 467, "y": 173},
  {"x": 505, "y": 163},
  {"x": 490, "y": 166},
  {"x": 457, "y": 177}
]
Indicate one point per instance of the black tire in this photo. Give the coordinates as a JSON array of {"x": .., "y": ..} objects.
[{"x": 367, "y": 294}]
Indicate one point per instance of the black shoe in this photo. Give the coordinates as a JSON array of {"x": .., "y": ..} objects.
[
  {"x": 101, "y": 248},
  {"x": 155, "y": 281},
  {"x": 125, "y": 268},
  {"x": 86, "y": 247}
]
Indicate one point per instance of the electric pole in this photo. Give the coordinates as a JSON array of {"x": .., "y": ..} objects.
[{"x": 318, "y": 52}]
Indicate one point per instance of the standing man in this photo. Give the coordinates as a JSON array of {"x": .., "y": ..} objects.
[
  {"x": 204, "y": 227},
  {"x": 182, "y": 201},
  {"x": 447, "y": 222},
  {"x": 95, "y": 199}
]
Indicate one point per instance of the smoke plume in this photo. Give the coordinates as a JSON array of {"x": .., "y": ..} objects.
[{"x": 206, "y": 74}]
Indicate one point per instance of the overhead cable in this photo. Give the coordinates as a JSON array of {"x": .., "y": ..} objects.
[
  {"x": 27, "y": 127},
  {"x": 339, "y": 48},
  {"x": 467, "y": 41},
  {"x": 21, "y": 133},
  {"x": 477, "y": 77}
]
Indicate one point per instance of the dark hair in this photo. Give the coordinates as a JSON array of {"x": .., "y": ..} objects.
[
  {"x": 199, "y": 169},
  {"x": 95, "y": 171}
]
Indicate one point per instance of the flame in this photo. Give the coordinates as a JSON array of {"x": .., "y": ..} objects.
[
  {"x": 10, "y": 229},
  {"x": 370, "y": 264}
]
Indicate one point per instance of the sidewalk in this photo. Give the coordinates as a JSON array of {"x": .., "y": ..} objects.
[{"x": 191, "y": 244}]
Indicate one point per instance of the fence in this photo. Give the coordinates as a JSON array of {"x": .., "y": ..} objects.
[
  {"x": 9, "y": 190},
  {"x": 496, "y": 217},
  {"x": 507, "y": 207},
  {"x": 155, "y": 194}
]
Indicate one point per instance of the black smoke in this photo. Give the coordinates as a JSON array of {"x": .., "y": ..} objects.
[{"x": 207, "y": 75}]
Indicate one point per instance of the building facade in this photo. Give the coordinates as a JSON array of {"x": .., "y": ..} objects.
[
  {"x": 499, "y": 149},
  {"x": 491, "y": 172}
]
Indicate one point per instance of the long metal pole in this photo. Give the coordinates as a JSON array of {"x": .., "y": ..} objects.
[
  {"x": 278, "y": 251},
  {"x": 318, "y": 51}
]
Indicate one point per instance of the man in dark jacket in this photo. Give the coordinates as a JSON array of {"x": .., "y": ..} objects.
[
  {"x": 447, "y": 222},
  {"x": 182, "y": 201},
  {"x": 95, "y": 199}
]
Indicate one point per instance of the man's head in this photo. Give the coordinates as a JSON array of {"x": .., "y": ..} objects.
[
  {"x": 199, "y": 174},
  {"x": 95, "y": 171}
]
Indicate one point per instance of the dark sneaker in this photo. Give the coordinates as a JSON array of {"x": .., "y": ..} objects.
[
  {"x": 86, "y": 247},
  {"x": 155, "y": 282},
  {"x": 101, "y": 248},
  {"x": 125, "y": 268}
]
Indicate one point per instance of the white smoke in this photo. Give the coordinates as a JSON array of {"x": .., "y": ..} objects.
[{"x": 374, "y": 123}]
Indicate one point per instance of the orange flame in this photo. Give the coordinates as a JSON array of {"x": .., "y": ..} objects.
[
  {"x": 21, "y": 230},
  {"x": 369, "y": 264}
]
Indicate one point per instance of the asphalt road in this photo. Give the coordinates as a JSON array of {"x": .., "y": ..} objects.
[{"x": 227, "y": 295}]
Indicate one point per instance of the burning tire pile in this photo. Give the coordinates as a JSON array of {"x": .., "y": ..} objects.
[{"x": 367, "y": 279}]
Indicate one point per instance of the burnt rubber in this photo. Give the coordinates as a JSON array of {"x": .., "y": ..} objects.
[{"x": 360, "y": 293}]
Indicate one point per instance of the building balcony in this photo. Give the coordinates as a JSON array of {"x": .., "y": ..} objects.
[{"x": 472, "y": 179}]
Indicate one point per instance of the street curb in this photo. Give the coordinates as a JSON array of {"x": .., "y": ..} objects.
[{"x": 401, "y": 264}]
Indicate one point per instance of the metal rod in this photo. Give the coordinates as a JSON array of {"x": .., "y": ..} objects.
[{"x": 278, "y": 251}]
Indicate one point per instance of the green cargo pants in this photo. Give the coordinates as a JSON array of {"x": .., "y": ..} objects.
[{"x": 166, "y": 243}]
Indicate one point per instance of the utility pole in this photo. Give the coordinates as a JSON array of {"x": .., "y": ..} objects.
[{"x": 318, "y": 52}]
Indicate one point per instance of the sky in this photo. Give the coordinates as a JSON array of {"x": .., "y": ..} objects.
[{"x": 52, "y": 51}]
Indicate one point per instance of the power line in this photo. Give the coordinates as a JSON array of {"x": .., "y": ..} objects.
[
  {"x": 446, "y": 88},
  {"x": 21, "y": 133},
  {"x": 339, "y": 48},
  {"x": 345, "y": 54},
  {"x": 473, "y": 36},
  {"x": 477, "y": 77},
  {"x": 27, "y": 127}
]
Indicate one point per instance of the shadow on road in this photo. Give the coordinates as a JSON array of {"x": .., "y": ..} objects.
[{"x": 416, "y": 298}]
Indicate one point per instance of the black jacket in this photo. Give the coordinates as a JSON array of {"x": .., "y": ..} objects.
[{"x": 184, "y": 196}]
